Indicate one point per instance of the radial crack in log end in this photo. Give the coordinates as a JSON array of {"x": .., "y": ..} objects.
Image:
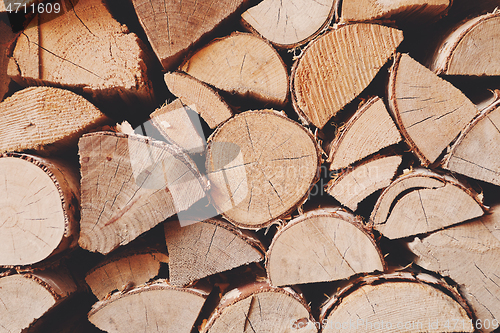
[
  {"x": 243, "y": 64},
  {"x": 429, "y": 111},
  {"x": 130, "y": 184}
]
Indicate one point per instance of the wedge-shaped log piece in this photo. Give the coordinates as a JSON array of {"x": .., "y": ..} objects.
[
  {"x": 397, "y": 302},
  {"x": 243, "y": 64},
  {"x": 322, "y": 245},
  {"x": 46, "y": 119},
  {"x": 476, "y": 152},
  {"x": 156, "y": 307},
  {"x": 291, "y": 23},
  {"x": 423, "y": 201},
  {"x": 27, "y": 297},
  {"x": 131, "y": 183},
  {"x": 261, "y": 166},
  {"x": 407, "y": 10},
  {"x": 173, "y": 27},
  {"x": 208, "y": 247},
  {"x": 468, "y": 253},
  {"x": 336, "y": 67},
  {"x": 429, "y": 111},
  {"x": 471, "y": 48},
  {"x": 260, "y": 307},
  {"x": 357, "y": 183},
  {"x": 82, "y": 47},
  {"x": 370, "y": 129},
  {"x": 39, "y": 208},
  {"x": 124, "y": 271},
  {"x": 200, "y": 97}
]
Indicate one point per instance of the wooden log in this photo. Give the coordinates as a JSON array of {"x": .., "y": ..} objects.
[
  {"x": 397, "y": 302},
  {"x": 82, "y": 47},
  {"x": 429, "y": 111},
  {"x": 334, "y": 69},
  {"x": 423, "y": 201},
  {"x": 130, "y": 184},
  {"x": 355, "y": 184},
  {"x": 243, "y": 64},
  {"x": 322, "y": 245},
  {"x": 124, "y": 271},
  {"x": 262, "y": 173},
  {"x": 259, "y": 307},
  {"x": 157, "y": 306},
  {"x": 208, "y": 247},
  {"x": 470, "y": 49},
  {"x": 7, "y": 37},
  {"x": 468, "y": 253},
  {"x": 173, "y": 27},
  {"x": 200, "y": 97},
  {"x": 369, "y": 130},
  {"x": 27, "y": 119},
  {"x": 39, "y": 208},
  {"x": 289, "y": 24}
]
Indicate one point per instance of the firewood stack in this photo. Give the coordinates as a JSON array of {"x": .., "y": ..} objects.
[{"x": 249, "y": 166}]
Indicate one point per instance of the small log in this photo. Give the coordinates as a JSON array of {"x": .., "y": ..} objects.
[
  {"x": 243, "y": 64},
  {"x": 173, "y": 27},
  {"x": 262, "y": 173},
  {"x": 27, "y": 119},
  {"x": 39, "y": 208},
  {"x": 468, "y": 253},
  {"x": 369, "y": 130},
  {"x": 259, "y": 307},
  {"x": 27, "y": 297},
  {"x": 355, "y": 184},
  {"x": 429, "y": 111},
  {"x": 155, "y": 307},
  {"x": 7, "y": 37},
  {"x": 289, "y": 24},
  {"x": 124, "y": 271},
  {"x": 322, "y": 245},
  {"x": 208, "y": 247},
  {"x": 200, "y": 97},
  {"x": 470, "y": 49},
  {"x": 130, "y": 184},
  {"x": 397, "y": 302},
  {"x": 334, "y": 69},
  {"x": 423, "y": 201}
]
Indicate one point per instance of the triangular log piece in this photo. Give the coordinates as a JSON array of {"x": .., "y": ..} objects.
[
  {"x": 337, "y": 67},
  {"x": 208, "y": 247},
  {"x": 397, "y": 302},
  {"x": 46, "y": 119},
  {"x": 322, "y": 245},
  {"x": 403, "y": 11},
  {"x": 131, "y": 183},
  {"x": 82, "y": 47},
  {"x": 468, "y": 253},
  {"x": 370, "y": 129},
  {"x": 39, "y": 208},
  {"x": 243, "y": 64},
  {"x": 476, "y": 152},
  {"x": 470, "y": 49},
  {"x": 261, "y": 166},
  {"x": 27, "y": 297},
  {"x": 289, "y": 24},
  {"x": 124, "y": 271},
  {"x": 155, "y": 307},
  {"x": 173, "y": 27},
  {"x": 200, "y": 97},
  {"x": 358, "y": 182},
  {"x": 259, "y": 307},
  {"x": 423, "y": 201},
  {"x": 429, "y": 111},
  {"x": 178, "y": 126}
]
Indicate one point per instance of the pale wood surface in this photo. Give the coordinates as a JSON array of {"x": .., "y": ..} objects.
[{"x": 335, "y": 68}]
